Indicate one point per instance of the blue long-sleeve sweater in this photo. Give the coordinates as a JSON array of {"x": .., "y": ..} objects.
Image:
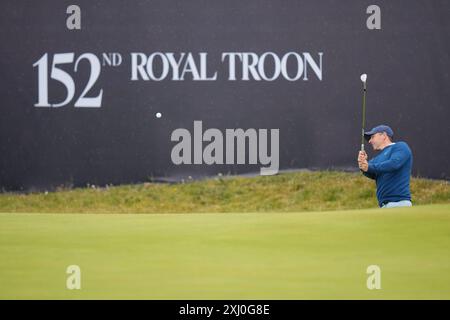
[{"x": 391, "y": 169}]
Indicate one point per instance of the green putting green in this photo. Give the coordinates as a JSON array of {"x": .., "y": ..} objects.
[{"x": 307, "y": 255}]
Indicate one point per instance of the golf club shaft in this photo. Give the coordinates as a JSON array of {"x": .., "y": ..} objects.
[{"x": 363, "y": 116}]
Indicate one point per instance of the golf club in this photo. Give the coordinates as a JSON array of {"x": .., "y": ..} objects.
[{"x": 364, "y": 81}]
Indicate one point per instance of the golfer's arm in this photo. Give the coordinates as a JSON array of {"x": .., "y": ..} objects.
[
  {"x": 369, "y": 175},
  {"x": 397, "y": 159}
]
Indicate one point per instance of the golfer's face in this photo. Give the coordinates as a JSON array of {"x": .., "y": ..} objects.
[{"x": 376, "y": 140}]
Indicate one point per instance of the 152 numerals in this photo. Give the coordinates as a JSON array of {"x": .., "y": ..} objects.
[{"x": 66, "y": 80}]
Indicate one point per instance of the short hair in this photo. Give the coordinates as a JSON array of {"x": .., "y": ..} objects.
[{"x": 391, "y": 138}]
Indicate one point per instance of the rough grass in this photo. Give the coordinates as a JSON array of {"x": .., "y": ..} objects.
[{"x": 288, "y": 192}]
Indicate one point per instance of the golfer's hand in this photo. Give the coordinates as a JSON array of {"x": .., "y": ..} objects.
[
  {"x": 363, "y": 165},
  {"x": 362, "y": 156}
]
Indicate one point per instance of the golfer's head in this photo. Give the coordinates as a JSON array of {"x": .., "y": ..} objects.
[{"x": 379, "y": 137}]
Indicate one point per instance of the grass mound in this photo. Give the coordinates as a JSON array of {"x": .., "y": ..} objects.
[{"x": 293, "y": 192}]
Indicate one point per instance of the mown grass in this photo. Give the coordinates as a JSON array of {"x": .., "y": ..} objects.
[
  {"x": 287, "y": 192},
  {"x": 273, "y": 255}
]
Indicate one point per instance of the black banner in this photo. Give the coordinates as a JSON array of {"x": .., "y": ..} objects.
[{"x": 93, "y": 91}]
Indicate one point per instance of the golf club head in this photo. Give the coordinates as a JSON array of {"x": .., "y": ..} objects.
[
  {"x": 364, "y": 81},
  {"x": 364, "y": 77}
]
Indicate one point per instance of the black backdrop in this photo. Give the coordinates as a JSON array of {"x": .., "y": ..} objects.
[{"x": 122, "y": 141}]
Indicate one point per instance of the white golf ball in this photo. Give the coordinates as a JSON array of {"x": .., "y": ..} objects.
[{"x": 158, "y": 114}]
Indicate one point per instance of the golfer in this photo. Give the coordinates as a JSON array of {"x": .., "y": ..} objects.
[{"x": 391, "y": 168}]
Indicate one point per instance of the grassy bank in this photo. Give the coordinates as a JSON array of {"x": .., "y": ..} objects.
[{"x": 300, "y": 191}]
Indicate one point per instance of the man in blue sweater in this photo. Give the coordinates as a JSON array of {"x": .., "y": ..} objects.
[{"x": 391, "y": 169}]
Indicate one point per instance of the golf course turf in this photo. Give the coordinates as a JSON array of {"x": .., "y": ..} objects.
[{"x": 292, "y": 255}]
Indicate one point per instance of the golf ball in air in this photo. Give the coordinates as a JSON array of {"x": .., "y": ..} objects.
[{"x": 158, "y": 114}]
